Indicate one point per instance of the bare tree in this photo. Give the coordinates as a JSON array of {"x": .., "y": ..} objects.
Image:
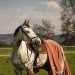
[
  {"x": 46, "y": 29},
  {"x": 68, "y": 19}
]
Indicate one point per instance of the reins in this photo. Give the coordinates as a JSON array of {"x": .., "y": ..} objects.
[
  {"x": 28, "y": 55},
  {"x": 30, "y": 41},
  {"x": 27, "y": 47}
]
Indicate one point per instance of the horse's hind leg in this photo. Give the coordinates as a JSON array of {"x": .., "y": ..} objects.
[
  {"x": 49, "y": 73},
  {"x": 18, "y": 71}
]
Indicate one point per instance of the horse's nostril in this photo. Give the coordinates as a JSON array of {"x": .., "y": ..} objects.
[{"x": 39, "y": 42}]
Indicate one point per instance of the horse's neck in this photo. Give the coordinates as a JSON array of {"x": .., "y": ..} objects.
[
  {"x": 25, "y": 53},
  {"x": 23, "y": 48}
]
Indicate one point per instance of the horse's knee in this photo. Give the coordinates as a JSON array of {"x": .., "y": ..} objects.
[{"x": 30, "y": 68}]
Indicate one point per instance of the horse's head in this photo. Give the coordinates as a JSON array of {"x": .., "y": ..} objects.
[{"x": 29, "y": 32}]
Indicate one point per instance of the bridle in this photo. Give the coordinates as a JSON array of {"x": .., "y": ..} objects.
[{"x": 30, "y": 39}]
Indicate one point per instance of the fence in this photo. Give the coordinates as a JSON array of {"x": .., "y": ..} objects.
[{"x": 68, "y": 47}]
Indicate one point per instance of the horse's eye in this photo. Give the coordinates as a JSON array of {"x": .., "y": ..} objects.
[{"x": 27, "y": 31}]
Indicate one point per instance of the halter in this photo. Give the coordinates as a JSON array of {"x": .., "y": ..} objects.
[{"x": 30, "y": 39}]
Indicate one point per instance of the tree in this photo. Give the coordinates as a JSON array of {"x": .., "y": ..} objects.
[
  {"x": 3, "y": 44},
  {"x": 46, "y": 29},
  {"x": 68, "y": 20}
]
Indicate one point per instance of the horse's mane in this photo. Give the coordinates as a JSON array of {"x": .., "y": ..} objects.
[{"x": 17, "y": 30}]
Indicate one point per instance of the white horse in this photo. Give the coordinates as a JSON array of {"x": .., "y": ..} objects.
[
  {"x": 25, "y": 45},
  {"x": 23, "y": 55}
]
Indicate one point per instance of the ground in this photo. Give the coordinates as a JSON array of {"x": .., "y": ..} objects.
[{"x": 6, "y": 67}]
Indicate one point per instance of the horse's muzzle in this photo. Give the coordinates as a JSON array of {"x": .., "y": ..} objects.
[{"x": 36, "y": 42}]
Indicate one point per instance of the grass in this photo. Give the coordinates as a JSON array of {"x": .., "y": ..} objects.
[
  {"x": 6, "y": 67},
  {"x": 71, "y": 62},
  {"x": 5, "y": 51}
]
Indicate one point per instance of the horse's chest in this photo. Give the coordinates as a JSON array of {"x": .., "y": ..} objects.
[{"x": 22, "y": 53}]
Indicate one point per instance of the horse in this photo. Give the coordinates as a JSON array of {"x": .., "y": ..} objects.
[{"x": 23, "y": 53}]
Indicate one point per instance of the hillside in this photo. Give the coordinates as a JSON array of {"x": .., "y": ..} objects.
[
  {"x": 6, "y": 37},
  {"x": 9, "y": 37}
]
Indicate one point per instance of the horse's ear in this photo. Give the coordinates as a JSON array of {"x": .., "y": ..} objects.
[
  {"x": 28, "y": 22},
  {"x": 24, "y": 22}
]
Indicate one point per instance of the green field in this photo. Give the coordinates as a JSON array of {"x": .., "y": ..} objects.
[{"x": 6, "y": 67}]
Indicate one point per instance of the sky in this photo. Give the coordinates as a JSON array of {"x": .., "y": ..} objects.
[{"x": 14, "y": 12}]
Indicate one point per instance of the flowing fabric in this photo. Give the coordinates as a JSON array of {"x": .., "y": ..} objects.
[{"x": 56, "y": 58}]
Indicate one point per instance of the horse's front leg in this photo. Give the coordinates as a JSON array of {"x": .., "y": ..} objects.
[
  {"x": 29, "y": 72},
  {"x": 18, "y": 71},
  {"x": 30, "y": 69}
]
